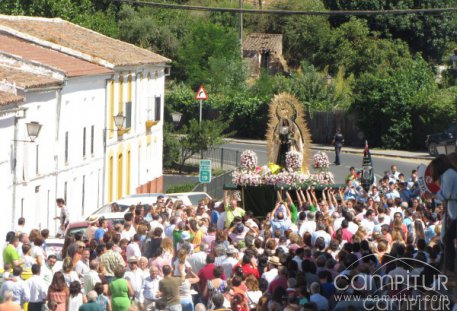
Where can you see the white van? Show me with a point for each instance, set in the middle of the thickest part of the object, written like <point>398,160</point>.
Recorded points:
<point>124,203</point>
<point>190,198</point>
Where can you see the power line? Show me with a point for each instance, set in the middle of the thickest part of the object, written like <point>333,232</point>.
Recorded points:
<point>429,11</point>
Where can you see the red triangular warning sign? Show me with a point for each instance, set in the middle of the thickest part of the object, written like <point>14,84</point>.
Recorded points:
<point>201,94</point>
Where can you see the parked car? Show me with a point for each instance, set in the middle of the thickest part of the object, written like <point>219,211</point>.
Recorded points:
<point>190,198</point>
<point>54,247</point>
<point>124,204</point>
<point>81,226</point>
<point>447,137</point>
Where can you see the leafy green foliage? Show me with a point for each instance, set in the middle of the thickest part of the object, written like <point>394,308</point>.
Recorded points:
<point>155,29</point>
<point>303,36</point>
<point>185,187</point>
<point>386,111</point>
<point>200,137</point>
<point>434,114</point>
<point>426,34</point>
<point>203,42</point>
<point>171,147</point>
<point>355,48</point>
<point>96,15</point>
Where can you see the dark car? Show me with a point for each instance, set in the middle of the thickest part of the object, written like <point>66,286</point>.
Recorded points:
<point>447,136</point>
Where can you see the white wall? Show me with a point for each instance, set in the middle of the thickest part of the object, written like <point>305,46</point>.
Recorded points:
<point>6,172</point>
<point>80,104</point>
<point>82,107</point>
<point>35,186</point>
<point>145,146</point>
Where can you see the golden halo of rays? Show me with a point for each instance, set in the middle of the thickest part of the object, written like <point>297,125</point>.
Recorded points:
<point>287,105</point>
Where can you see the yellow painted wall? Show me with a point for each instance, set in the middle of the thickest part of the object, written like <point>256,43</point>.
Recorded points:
<point>121,95</point>
<point>110,178</point>
<point>120,159</point>
<point>128,171</point>
<point>111,107</point>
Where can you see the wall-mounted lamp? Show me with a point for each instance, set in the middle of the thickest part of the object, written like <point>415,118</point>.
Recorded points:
<point>33,130</point>
<point>119,120</point>
<point>176,117</point>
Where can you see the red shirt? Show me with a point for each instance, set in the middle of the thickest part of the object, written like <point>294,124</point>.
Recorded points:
<point>207,273</point>
<point>280,281</point>
<point>248,269</point>
<point>346,235</point>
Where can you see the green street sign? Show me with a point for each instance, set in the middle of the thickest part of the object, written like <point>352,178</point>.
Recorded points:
<point>205,171</point>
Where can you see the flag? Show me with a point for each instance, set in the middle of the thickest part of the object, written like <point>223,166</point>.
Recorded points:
<point>367,169</point>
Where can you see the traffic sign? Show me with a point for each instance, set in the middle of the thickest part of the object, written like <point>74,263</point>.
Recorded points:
<point>205,171</point>
<point>425,180</point>
<point>201,94</point>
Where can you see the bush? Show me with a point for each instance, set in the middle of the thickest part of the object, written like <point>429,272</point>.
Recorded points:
<point>171,147</point>
<point>186,187</point>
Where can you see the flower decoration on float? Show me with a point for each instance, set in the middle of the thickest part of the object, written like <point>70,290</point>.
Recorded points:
<point>248,160</point>
<point>294,160</point>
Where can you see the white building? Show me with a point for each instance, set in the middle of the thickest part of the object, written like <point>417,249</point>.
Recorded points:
<point>80,154</point>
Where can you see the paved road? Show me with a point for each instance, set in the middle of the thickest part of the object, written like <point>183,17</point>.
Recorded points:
<point>347,160</point>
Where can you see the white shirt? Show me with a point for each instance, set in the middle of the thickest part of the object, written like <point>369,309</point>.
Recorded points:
<point>36,288</point>
<point>318,234</point>
<point>197,261</point>
<point>37,251</point>
<point>394,194</point>
<point>70,277</point>
<point>82,268</point>
<point>17,288</point>
<point>368,225</point>
<point>270,275</point>
<point>90,279</point>
<point>150,288</point>
<point>133,250</point>
<point>352,227</point>
<point>307,226</point>
<point>228,265</point>
<point>298,260</point>
<point>221,221</point>
<point>128,234</point>
<point>47,274</point>
<point>337,223</point>
<point>136,279</point>
<point>155,224</point>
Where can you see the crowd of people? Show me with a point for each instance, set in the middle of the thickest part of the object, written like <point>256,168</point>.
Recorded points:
<point>218,256</point>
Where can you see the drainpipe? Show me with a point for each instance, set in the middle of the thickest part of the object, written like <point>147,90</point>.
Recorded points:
<point>56,138</point>
<point>16,118</point>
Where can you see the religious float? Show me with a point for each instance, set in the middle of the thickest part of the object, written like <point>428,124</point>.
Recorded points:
<point>288,147</point>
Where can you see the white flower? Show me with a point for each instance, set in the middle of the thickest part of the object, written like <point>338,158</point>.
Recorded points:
<point>294,160</point>
<point>321,160</point>
<point>248,159</point>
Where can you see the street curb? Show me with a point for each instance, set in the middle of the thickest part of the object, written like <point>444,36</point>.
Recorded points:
<point>343,150</point>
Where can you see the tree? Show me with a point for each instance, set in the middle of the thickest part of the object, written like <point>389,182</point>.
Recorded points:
<point>171,146</point>
<point>387,100</point>
<point>159,30</point>
<point>198,138</point>
<point>353,46</point>
<point>204,41</point>
<point>426,34</point>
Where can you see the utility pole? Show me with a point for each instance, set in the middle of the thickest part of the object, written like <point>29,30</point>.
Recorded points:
<point>241,27</point>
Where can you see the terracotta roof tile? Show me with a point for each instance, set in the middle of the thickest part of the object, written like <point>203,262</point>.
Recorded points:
<point>24,79</point>
<point>83,40</point>
<point>9,98</point>
<point>69,65</point>
<point>263,42</point>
